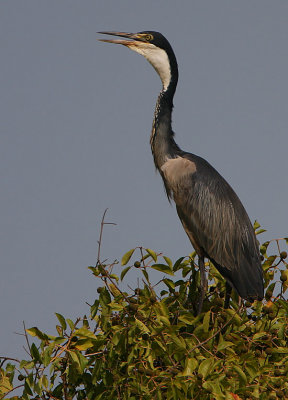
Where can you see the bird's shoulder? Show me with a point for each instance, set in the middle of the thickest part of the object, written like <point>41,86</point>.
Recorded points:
<point>202,166</point>
<point>187,170</point>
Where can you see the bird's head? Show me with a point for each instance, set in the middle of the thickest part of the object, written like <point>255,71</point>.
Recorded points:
<point>155,48</point>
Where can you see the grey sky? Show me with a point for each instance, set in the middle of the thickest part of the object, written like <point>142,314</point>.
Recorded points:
<point>75,122</point>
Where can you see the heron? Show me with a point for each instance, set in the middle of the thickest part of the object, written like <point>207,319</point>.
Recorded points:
<point>210,211</point>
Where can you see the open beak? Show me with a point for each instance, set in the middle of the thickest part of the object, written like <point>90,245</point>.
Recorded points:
<point>133,37</point>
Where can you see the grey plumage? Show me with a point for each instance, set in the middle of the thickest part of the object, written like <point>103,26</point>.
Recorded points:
<point>209,209</point>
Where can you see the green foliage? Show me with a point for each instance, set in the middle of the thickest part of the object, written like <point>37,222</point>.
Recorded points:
<point>149,344</point>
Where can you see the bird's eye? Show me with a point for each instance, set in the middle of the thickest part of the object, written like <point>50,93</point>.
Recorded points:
<point>148,37</point>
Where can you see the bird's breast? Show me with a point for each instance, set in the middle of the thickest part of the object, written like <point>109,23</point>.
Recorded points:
<point>175,170</point>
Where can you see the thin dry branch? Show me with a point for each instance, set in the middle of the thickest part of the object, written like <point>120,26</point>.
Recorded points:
<point>99,241</point>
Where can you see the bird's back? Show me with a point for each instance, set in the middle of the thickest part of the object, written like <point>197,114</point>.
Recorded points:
<point>215,221</point>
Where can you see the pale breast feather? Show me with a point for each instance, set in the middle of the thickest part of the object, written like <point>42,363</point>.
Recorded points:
<point>175,169</point>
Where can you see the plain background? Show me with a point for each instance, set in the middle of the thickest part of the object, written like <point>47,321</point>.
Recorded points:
<point>75,123</point>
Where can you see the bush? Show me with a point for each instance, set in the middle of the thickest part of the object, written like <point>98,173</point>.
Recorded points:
<point>148,343</point>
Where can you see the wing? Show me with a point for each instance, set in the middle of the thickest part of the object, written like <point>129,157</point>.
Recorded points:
<point>216,222</point>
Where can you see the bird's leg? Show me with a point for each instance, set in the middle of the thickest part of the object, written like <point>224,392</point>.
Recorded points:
<point>203,284</point>
<point>227,295</point>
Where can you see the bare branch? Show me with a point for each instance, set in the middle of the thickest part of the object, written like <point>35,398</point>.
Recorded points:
<point>99,241</point>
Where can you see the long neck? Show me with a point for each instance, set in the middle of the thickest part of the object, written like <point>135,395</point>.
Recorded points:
<point>162,142</point>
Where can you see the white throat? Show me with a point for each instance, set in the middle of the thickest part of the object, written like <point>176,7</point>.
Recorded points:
<point>157,58</point>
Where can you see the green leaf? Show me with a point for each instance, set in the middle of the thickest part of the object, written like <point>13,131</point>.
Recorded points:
<point>27,388</point>
<point>187,318</point>
<point>162,309</point>
<point>281,333</point>
<point>59,329</point>
<point>206,321</point>
<point>124,272</point>
<point>236,318</point>
<point>62,321</point>
<point>163,268</point>
<point>256,225</point>
<point>284,275</point>
<point>285,286</point>
<point>36,332</point>
<point>186,271</point>
<point>270,288</point>
<point>280,350</point>
<point>177,264</point>
<point>35,353</point>
<point>27,364</point>
<point>5,385</point>
<point>127,256</point>
<point>43,382</point>
<point>263,248</point>
<point>205,367</point>
<point>114,290</point>
<point>71,324</point>
<point>59,340</point>
<point>114,276</point>
<point>116,338</point>
<point>260,231</point>
<point>253,370</point>
<point>224,344</point>
<point>46,357</point>
<point>84,333</point>
<point>83,344</point>
<point>190,366</point>
<point>169,283</point>
<point>141,326</point>
<point>241,374</point>
<point>145,273</point>
<point>259,335</point>
<point>179,341</point>
<point>214,387</point>
<point>152,254</point>
<point>79,360</point>
<point>94,308</point>
<point>169,262</point>
<point>116,306</point>
<point>164,320</point>
<point>104,297</point>
<point>144,257</point>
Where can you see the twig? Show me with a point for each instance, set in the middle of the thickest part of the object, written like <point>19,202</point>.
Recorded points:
<point>66,347</point>
<point>93,354</point>
<point>8,359</point>
<point>11,390</point>
<point>27,340</point>
<point>101,234</point>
